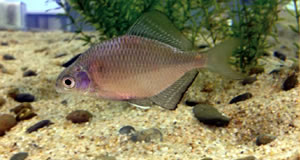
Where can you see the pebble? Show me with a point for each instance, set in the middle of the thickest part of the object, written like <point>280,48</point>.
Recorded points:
<point>279,55</point>
<point>264,139</point>
<point>8,57</point>
<point>19,156</point>
<point>256,70</point>
<point>248,158</point>
<point>79,116</point>
<point>127,130</point>
<point>7,121</point>
<point>105,157</point>
<point>3,69</point>
<point>39,125</point>
<point>147,135</point>
<point>60,55</point>
<point>248,80</point>
<point>23,111</point>
<point>29,73</point>
<point>24,97</point>
<point>191,103</point>
<point>72,60</point>
<point>13,93</point>
<point>290,82</point>
<point>2,101</point>
<point>202,46</point>
<point>210,115</point>
<point>207,158</point>
<point>241,97</point>
<point>4,44</point>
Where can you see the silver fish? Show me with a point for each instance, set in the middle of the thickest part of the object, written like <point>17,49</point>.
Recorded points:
<point>152,64</point>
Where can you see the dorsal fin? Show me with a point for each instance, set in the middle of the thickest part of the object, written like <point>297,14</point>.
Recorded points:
<point>155,25</point>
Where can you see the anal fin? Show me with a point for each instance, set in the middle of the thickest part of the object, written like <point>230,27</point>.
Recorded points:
<point>170,97</point>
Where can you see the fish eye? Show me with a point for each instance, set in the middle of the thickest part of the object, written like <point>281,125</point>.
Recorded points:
<point>68,82</point>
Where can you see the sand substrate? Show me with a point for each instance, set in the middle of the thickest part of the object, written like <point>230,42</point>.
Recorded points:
<point>270,111</point>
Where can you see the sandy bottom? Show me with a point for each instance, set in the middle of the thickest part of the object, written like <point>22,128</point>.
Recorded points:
<point>270,111</point>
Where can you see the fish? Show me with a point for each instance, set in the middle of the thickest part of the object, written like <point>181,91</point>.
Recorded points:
<point>152,64</point>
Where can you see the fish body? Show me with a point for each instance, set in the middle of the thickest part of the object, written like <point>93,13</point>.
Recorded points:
<point>139,67</point>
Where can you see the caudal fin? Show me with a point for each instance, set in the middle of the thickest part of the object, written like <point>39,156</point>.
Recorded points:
<point>218,59</point>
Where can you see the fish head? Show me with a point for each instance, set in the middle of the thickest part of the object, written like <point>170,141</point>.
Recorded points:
<point>74,79</point>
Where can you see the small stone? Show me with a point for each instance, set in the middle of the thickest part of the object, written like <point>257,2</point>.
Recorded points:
<point>147,135</point>
<point>256,70</point>
<point>20,107</point>
<point>72,60</point>
<point>2,101</point>
<point>279,55</point>
<point>207,158</point>
<point>104,157</point>
<point>290,82</point>
<point>39,125</point>
<point>191,103</point>
<point>127,130</point>
<point>24,97</point>
<point>202,46</point>
<point>13,93</point>
<point>19,156</point>
<point>247,158</point>
<point>64,102</point>
<point>210,115</point>
<point>264,139</point>
<point>8,57</point>
<point>248,80</point>
<point>7,121</point>
<point>29,73</point>
<point>241,97</point>
<point>275,71</point>
<point>23,111</point>
<point>41,50</point>
<point>4,44</point>
<point>79,116</point>
<point>60,55</point>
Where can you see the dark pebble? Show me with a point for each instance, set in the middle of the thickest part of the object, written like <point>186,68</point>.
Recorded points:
<point>147,135</point>
<point>29,73</point>
<point>24,97</point>
<point>72,60</point>
<point>207,158</point>
<point>60,55</point>
<point>20,107</point>
<point>8,57</point>
<point>256,70</point>
<point>290,82</point>
<point>39,125</point>
<point>7,121</point>
<point>264,139</point>
<point>191,103</point>
<point>247,158</point>
<point>279,55</point>
<point>248,80</point>
<point>4,44</point>
<point>241,97</point>
<point>19,156</point>
<point>275,71</point>
<point>23,111</point>
<point>202,46</point>
<point>127,130</point>
<point>13,93</point>
<point>2,101</point>
<point>210,115</point>
<point>79,116</point>
<point>64,102</point>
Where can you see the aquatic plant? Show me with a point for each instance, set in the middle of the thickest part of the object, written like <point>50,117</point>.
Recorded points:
<point>251,21</point>
<point>296,14</point>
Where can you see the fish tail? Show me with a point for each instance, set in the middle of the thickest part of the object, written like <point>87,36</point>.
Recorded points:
<point>218,59</point>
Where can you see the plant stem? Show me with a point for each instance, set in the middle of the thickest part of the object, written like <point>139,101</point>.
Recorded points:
<point>297,15</point>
